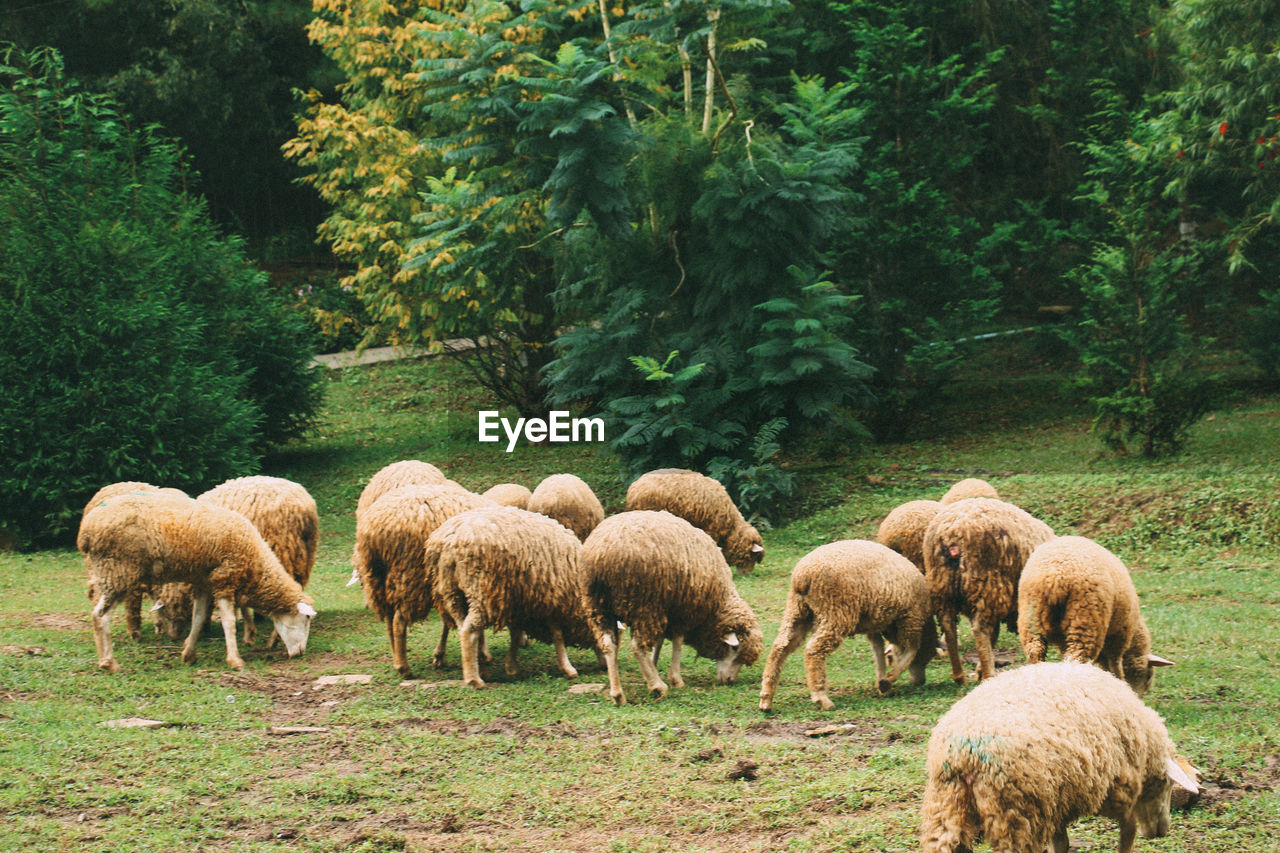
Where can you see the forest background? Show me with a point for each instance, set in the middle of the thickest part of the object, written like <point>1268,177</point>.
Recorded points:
<point>740,230</point>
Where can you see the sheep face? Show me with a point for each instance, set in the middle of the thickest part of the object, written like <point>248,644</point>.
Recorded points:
<point>1152,809</point>
<point>744,548</point>
<point>293,626</point>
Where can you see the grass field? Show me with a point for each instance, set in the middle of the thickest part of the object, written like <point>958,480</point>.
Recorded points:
<point>526,765</point>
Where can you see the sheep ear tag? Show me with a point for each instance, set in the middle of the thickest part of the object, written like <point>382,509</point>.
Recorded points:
<point>306,609</point>
<point>731,639</point>
<point>1156,660</point>
<point>1180,776</point>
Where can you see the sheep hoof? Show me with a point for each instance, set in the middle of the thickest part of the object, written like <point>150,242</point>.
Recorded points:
<point>824,703</point>
<point>570,672</point>
<point>512,670</point>
<point>884,686</point>
<point>404,672</point>
<point>766,704</point>
<point>619,699</point>
<point>235,663</point>
<point>135,634</point>
<point>477,683</point>
<point>188,656</point>
<point>109,666</point>
<point>659,691</point>
<point>677,682</point>
<point>959,679</point>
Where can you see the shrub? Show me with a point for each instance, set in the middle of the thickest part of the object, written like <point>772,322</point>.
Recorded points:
<point>136,342</point>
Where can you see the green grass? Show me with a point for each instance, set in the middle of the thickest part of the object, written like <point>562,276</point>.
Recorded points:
<point>525,765</point>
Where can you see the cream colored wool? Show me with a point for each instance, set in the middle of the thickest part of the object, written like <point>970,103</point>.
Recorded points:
<point>846,588</point>
<point>974,551</point>
<point>704,503</point>
<point>970,488</point>
<point>409,472</point>
<point>1077,596</point>
<point>390,559</point>
<point>507,567</point>
<point>1025,754</point>
<point>164,595</point>
<point>284,513</point>
<point>137,539</point>
<point>570,501</point>
<point>665,578</point>
<point>509,494</point>
<point>903,529</point>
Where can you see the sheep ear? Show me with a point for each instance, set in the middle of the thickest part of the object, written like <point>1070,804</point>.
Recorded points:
<point>306,609</point>
<point>731,639</point>
<point>1180,775</point>
<point>622,627</point>
<point>355,578</point>
<point>757,549</point>
<point>1156,660</point>
<point>157,606</point>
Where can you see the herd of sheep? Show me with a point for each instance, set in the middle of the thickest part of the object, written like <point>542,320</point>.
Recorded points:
<point>1016,760</point>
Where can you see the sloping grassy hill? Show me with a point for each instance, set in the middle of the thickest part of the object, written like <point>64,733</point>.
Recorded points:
<point>527,765</point>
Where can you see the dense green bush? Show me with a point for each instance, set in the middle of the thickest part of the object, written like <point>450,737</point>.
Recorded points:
<point>135,340</point>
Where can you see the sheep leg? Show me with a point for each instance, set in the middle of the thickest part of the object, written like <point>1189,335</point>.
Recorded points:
<point>673,672</point>
<point>397,633</point>
<point>790,636</point>
<point>1060,842</point>
<point>607,641</point>
<point>133,613</point>
<point>562,657</point>
<point>250,630</point>
<point>947,621</point>
<point>484,649</point>
<point>517,640</point>
<point>1128,830</point>
<point>823,642</point>
<point>984,639</point>
<point>227,612</point>
<point>470,635</point>
<point>657,651</point>
<point>102,634</point>
<point>437,660</point>
<point>200,603</point>
<point>644,657</point>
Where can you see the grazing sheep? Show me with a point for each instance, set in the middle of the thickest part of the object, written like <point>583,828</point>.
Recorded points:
<point>1076,595</point>
<point>509,494</point>
<point>390,559</point>
<point>1030,751</point>
<point>568,500</point>
<point>853,587</point>
<point>152,538</point>
<point>969,488</point>
<point>974,551</point>
<point>665,578</point>
<point>409,472</point>
<point>504,566</point>
<point>903,529</point>
<point>284,513</point>
<point>166,595</point>
<point>705,503</point>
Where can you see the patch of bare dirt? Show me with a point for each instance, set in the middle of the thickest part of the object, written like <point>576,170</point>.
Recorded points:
<point>791,731</point>
<point>501,727</point>
<point>50,621</point>
<point>293,702</point>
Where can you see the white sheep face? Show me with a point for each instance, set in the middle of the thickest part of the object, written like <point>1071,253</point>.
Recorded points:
<point>727,666</point>
<point>293,626</point>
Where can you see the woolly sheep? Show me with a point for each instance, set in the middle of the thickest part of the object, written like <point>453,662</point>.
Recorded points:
<point>509,494</point>
<point>664,577</point>
<point>284,513</point>
<point>505,566</point>
<point>568,500</point>
<point>974,551</point>
<point>1076,595</point>
<point>903,529</point>
<point>409,472</point>
<point>150,538</point>
<point>852,587</point>
<point>1025,754</point>
<point>704,503</point>
<point>969,488</point>
<point>166,595</point>
<point>390,558</point>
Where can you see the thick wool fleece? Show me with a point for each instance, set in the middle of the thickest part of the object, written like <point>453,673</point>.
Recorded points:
<point>846,588</point>
<point>703,502</point>
<point>1077,596</point>
<point>663,577</point>
<point>903,529</point>
<point>409,472</point>
<point>166,593</point>
<point>153,539</point>
<point>503,566</point>
<point>284,513</point>
<point>974,551</point>
<point>568,500</point>
<point>509,494</point>
<point>969,488</point>
<point>1028,752</point>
